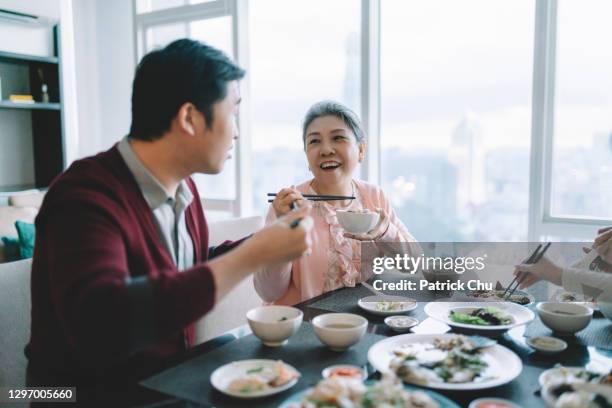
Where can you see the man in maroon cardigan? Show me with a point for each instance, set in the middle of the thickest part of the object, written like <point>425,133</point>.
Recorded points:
<point>122,268</point>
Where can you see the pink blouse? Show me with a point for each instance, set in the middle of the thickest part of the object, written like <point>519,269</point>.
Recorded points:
<point>335,261</point>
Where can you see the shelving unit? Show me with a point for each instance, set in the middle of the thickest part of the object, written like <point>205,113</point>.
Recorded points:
<point>25,74</point>
<point>35,105</point>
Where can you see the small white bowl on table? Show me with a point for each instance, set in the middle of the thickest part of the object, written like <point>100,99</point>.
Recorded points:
<point>564,318</point>
<point>339,331</point>
<point>495,402</point>
<point>273,325</point>
<point>546,344</point>
<point>401,324</point>
<point>357,221</point>
<point>330,371</point>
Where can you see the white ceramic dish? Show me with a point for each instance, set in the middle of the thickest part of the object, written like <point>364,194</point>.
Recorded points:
<point>273,325</point>
<point>504,364</point>
<point>584,392</point>
<point>568,297</point>
<point>339,331</point>
<point>442,401</point>
<point>376,305</point>
<point>564,318</point>
<point>357,222</point>
<point>559,374</point>
<point>224,375</point>
<point>441,311</point>
<point>547,344</point>
<point>327,371</point>
<point>401,324</point>
<point>500,403</point>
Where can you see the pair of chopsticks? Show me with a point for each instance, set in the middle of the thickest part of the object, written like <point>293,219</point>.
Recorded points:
<point>316,197</point>
<point>518,279</point>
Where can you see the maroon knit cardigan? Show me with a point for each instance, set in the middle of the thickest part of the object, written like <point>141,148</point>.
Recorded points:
<point>95,239</point>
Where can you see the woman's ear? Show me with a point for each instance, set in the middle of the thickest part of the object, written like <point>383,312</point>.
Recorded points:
<point>186,118</point>
<point>362,150</point>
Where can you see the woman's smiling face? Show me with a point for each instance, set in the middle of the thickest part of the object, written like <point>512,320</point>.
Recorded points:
<point>332,150</point>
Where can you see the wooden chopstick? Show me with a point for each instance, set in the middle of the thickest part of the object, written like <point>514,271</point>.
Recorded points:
<point>324,199</point>
<point>321,197</point>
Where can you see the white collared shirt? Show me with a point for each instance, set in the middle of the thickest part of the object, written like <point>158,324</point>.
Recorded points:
<point>168,211</point>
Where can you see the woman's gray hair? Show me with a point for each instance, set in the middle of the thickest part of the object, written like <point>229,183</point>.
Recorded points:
<point>332,108</point>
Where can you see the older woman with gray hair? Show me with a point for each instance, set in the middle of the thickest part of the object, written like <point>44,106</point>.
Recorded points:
<point>334,143</point>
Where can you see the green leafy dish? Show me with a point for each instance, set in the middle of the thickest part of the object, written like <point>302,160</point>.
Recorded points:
<point>483,316</point>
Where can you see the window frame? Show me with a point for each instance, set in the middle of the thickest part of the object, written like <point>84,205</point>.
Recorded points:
<point>238,11</point>
<point>541,221</point>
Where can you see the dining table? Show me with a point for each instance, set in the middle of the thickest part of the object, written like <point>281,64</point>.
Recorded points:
<point>187,383</point>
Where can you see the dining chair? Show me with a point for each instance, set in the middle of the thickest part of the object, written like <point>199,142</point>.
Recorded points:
<point>230,312</point>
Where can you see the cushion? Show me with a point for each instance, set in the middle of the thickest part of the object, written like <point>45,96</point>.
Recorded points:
<point>8,216</point>
<point>27,236</point>
<point>10,251</point>
<point>27,199</point>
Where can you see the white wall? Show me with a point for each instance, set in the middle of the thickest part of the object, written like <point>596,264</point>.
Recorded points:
<point>24,38</point>
<point>105,63</point>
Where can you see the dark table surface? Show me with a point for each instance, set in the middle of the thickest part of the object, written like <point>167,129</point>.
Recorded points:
<point>524,390</point>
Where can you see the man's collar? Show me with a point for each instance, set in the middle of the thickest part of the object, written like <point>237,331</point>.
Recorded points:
<point>153,191</point>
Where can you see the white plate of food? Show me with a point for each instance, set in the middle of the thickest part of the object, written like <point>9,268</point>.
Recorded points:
<point>489,317</point>
<point>422,359</point>
<point>576,387</point>
<point>569,297</point>
<point>519,297</point>
<point>342,392</point>
<point>254,378</point>
<point>387,305</point>
<point>562,374</point>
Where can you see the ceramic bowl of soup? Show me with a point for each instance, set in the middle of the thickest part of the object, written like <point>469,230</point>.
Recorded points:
<point>273,325</point>
<point>564,318</point>
<point>357,221</point>
<point>339,331</point>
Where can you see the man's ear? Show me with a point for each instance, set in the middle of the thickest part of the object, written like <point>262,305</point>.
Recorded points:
<point>186,118</point>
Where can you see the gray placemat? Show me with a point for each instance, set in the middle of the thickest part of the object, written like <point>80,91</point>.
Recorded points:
<point>597,334</point>
<point>191,380</point>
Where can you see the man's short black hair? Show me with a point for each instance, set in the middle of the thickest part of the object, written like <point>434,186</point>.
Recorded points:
<point>184,71</point>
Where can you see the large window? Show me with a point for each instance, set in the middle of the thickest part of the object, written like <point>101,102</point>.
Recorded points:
<point>456,116</point>
<point>488,119</point>
<point>582,158</point>
<point>300,52</point>
<point>216,31</point>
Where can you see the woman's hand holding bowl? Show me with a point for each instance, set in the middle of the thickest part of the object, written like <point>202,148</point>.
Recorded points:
<point>375,233</point>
